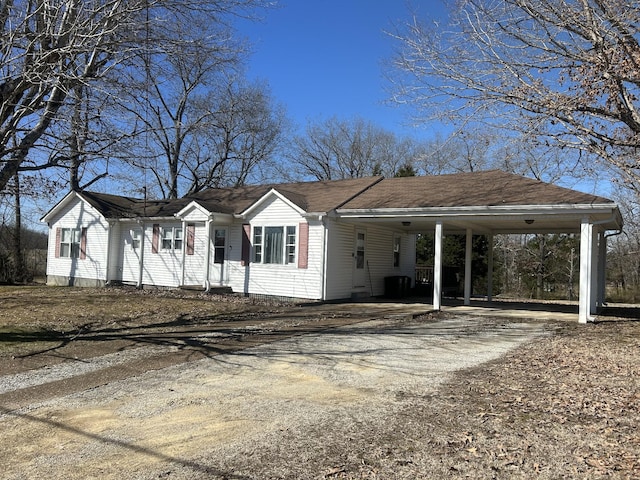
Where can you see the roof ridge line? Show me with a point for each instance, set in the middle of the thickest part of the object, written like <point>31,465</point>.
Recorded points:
<point>377,180</point>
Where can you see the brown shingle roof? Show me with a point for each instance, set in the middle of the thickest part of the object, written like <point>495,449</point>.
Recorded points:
<point>488,188</point>
<point>115,206</point>
<point>309,196</point>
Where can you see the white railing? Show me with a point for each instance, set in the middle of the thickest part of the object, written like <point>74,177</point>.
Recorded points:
<point>424,274</point>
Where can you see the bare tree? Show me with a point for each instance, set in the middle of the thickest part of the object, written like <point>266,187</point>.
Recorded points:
<point>50,47</point>
<point>197,127</point>
<point>565,72</point>
<point>337,149</point>
<point>240,140</point>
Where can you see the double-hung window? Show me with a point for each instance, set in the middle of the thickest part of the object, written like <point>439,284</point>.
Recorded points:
<point>172,238</point>
<point>274,245</point>
<point>136,234</point>
<point>70,242</point>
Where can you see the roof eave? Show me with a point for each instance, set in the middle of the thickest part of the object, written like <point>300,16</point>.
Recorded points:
<point>477,210</point>
<point>66,199</point>
<point>273,192</point>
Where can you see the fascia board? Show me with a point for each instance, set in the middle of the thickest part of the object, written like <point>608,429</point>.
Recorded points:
<point>62,203</point>
<point>264,198</point>
<point>191,206</point>
<point>501,210</point>
<point>169,218</point>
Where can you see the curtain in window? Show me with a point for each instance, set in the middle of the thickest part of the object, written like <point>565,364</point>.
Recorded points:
<point>273,245</point>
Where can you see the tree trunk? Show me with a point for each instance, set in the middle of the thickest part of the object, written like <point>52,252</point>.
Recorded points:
<point>540,268</point>
<point>19,273</point>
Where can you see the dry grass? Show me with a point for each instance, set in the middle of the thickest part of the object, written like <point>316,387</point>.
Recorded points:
<point>567,406</point>
<point>35,318</point>
<point>564,406</point>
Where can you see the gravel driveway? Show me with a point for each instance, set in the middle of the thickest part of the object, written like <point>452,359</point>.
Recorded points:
<point>295,408</point>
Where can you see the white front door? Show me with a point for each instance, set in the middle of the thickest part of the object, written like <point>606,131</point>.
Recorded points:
<point>359,261</point>
<point>217,273</point>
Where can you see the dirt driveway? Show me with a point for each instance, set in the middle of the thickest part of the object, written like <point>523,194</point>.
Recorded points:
<point>298,407</point>
<point>122,383</point>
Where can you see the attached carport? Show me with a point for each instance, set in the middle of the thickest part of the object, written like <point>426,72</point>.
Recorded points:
<point>491,203</point>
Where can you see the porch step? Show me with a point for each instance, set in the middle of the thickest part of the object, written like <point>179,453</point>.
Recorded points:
<point>360,295</point>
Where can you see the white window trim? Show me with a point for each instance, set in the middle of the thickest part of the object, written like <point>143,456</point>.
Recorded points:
<point>258,249</point>
<point>75,234</point>
<point>176,236</point>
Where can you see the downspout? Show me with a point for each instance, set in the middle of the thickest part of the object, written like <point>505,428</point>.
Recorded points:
<point>183,225</point>
<point>143,234</point>
<point>325,256</point>
<point>108,254</point>
<point>207,283</point>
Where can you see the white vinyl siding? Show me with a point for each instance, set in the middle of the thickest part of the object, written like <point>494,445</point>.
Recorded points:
<point>378,261</point>
<point>130,263</point>
<point>77,215</point>
<point>340,260</point>
<point>194,266</point>
<point>278,279</point>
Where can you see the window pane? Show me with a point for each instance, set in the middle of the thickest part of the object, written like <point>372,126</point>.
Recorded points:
<point>177,239</point>
<point>257,244</point>
<point>291,244</point>
<point>66,235</point>
<point>219,238</point>
<point>273,244</point>
<point>135,238</point>
<point>360,251</point>
<point>167,238</point>
<point>65,250</point>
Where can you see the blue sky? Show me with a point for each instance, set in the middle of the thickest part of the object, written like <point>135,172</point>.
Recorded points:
<point>325,58</point>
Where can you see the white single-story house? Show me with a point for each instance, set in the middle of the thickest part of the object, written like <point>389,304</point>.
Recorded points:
<point>315,240</point>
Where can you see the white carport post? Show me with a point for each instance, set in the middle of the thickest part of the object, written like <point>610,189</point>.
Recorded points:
<point>586,258</point>
<point>467,267</point>
<point>595,274</point>
<point>437,268</point>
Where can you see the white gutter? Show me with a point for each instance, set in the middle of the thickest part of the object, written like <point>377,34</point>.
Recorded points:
<point>207,282</point>
<point>325,257</point>
<point>183,226</point>
<point>108,252</point>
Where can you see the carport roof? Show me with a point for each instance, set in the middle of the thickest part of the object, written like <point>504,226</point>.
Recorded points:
<point>488,188</point>
<point>487,202</point>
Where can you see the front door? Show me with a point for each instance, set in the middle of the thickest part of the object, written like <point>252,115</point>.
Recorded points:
<point>359,261</point>
<point>217,272</point>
